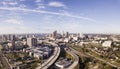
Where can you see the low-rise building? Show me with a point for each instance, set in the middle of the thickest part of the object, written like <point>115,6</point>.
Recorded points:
<point>107,44</point>
<point>64,63</point>
<point>39,52</point>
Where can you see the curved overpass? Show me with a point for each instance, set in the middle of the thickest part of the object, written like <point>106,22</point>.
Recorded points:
<point>74,65</point>
<point>52,59</point>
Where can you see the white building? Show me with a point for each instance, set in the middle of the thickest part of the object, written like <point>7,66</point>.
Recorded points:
<point>63,63</point>
<point>83,43</point>
<point>39,52</point>
<point>107,44</point>
<point>66,40</point>
<point>75,38</point>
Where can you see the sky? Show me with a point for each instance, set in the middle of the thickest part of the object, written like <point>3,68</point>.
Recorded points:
<point>45,16</point>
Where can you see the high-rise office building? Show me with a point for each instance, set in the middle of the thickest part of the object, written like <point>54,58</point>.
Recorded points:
<point>4,38</point>
<point>54,34</point>
<point>13,37</point>
<point>31,42</point>
<point>8,37</point>
<point>67,34</point>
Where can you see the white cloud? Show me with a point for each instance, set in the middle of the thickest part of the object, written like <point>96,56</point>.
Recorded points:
<point>57,4</point>
<point>37,1</point>
<point>22,0</point>
<point>40,4</point>
<point>5,3</point>
<point>14,29</point>
<point>45,12</point>
<point>13,21</point>
<point>22,6</point>
<point>13,3</point>
<point>40,7</point>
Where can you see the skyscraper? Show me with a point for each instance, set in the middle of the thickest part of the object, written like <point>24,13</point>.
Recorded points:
<point>67,34</point>
<point>54,34</point>
<point>4,38</point>
<point>31,42</point>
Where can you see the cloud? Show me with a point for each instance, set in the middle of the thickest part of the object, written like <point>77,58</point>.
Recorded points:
<point>45,12</point>
<point>37,1</point>
<point>14,29</point>
<point>22,0</point>
<point>6,3</point>
<point>13,21</point>
<point>57,4</point>
<point>22,6</point>
<point>41,7</point>
<point>40,4</point>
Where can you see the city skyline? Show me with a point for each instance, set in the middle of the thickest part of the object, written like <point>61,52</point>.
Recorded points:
<point>39,16</point>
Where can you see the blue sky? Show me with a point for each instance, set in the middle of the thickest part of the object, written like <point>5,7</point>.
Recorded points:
<point>45,16</point>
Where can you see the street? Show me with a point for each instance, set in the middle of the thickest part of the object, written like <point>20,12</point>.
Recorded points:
<point>4,62</point>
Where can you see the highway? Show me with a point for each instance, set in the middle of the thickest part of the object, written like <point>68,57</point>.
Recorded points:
<point>78,53</point>
<point>4,61</point>
<point>76,60</point>
<point>52,59</point>
<point>101,59</point>
<point>90,55</point>
<point>104,61</point>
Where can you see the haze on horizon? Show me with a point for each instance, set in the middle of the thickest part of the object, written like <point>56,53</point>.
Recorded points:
<point>39,16</point>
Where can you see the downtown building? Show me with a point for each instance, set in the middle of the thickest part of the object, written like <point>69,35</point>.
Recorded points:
<point>31,42</point>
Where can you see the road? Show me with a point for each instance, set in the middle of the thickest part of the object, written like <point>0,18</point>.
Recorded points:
<point>4,61</point>
<point>102,59</point>
<point>90,55</point>
<point>52,59</point>
<point>78,53</point>
<point>76,60</point>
